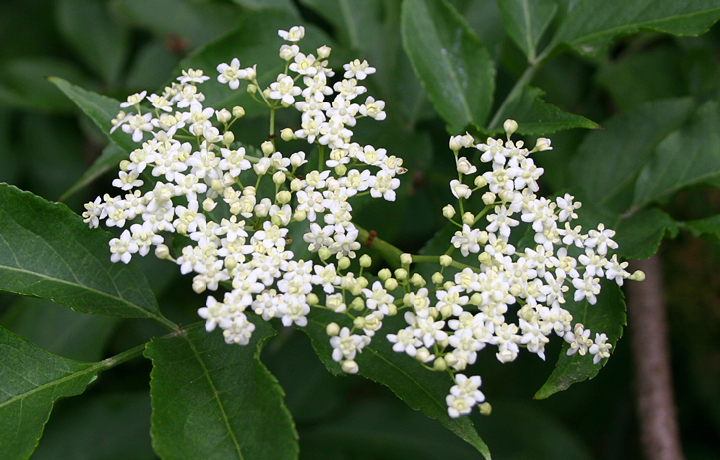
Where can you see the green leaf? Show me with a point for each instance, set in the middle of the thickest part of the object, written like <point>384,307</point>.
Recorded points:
<point>47,251</point>
<point>639,235</point>
<point>260,4</point>
<point>251,43</point>
<point>451,62</point>
<point>591,25</point>
<point>79,337</point>
<point>110,158</point>
<point>100,109</point>
<point>689,156</point>
<point>187,24</point>
<point>212,400</point>
<point>23,84</point>
<point>421,389</point>
<point>607,316</point>
<point>31,381</point>
<point>700,227</point>
<point>534,116</point>
<point>98,38</point>
<point>355,21</point>
<point>607,162</point>
<point>526,20</point>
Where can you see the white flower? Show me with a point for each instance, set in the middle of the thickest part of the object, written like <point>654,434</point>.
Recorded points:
<point>383,185</point>
<point>122,249</point>
<point>460,190</point>
<point>137,125</point>
<point>295,34</point>
<point>357,69</point>
<point>134,99</point>
<point>373,109</point>
<point>231,74</point>
<point>600,349</point>
<point>345,345</point>
<point>192,76</point>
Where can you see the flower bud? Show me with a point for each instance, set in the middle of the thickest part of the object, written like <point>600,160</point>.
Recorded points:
<point>266,93</point>
<point>542,144</point>
<point>506,195</point>
<point>451,359</point>
<point>445,260</point>
<point>392,309</point>
<point>465,167</point>
<point>162,251</point>
<point>344,263</point>
<point>449,211</point>
<point>638,275</point>
<point>252,89</point>
<point>279,177</point>
<point>209,204</point>
<point>287,134</point>
<point>437,278</point>
<point>223,115</point>
<point>417,280</point>
<point>262,209</point>
<point>332,329</point>
<point>312,299</point>
<point>359,322</point>
<point>401,274</point>
<point>446,311</point>
<point>238,112</point>
<point>485,408</point>
<point>362,282</point>
<point>357,304</point>
<point>228,138</point>
<point>249,190</point>
<point>365,261</point>
<point>300,215</point>
<point>391,284</point>
<point>448,285</point>
<point>484,258</point>
<point>277,220</point>
<point>124,165</point>
<point>468,218</point>
<point>476,299</point>
<point>510,126</point>
<point>350,367</point>
<point>480,181</point>
<point>283,197</point>
<point>230,263</point>
<point>267,148</point>
<point>251,73</point>
<point>406,259</point>
<point>324,253</point>
<point>515,290</point>
<point>488,198</point>
<point>199,286</point>
<point>440,364</point>
<point>423,355</point>
<point>323,52</point>
<point>340,170</point>
<point>296,185</point>
<point>356,290</point>
<point>384,274</point>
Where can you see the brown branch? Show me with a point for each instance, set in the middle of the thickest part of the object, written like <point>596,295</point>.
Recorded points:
<point>657,416</point>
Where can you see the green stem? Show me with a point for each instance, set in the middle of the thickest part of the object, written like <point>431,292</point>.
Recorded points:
<point>390,253</point>
<point>122,357</point>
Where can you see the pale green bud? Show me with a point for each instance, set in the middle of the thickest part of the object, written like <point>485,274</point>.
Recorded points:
<point>283,197</point>
<point>417,280</point>
<point>391,284</point>
<point>350,367</point>
<point>300,215</point>
<point>323,52</point>
<point>287,134</point>
<point>468,218</point>
<point>279,177</point>
<point>332,329</point>
<point>476,299</point>
<point>324,253</point>
<point>276,220</point>
<point>485,408</point>
<point>484,258</point>
<point>488,198</point>
<point>445,260</point>
<point>406,259</point>
<point>423,355</point>
<point>362,282</point>
<point>343,263</point>
<point>359,322</point>
<point>238,112</point>
<point>124,165</point>
<point>440,364</point>
<point>480,181</point>
<point>209,204</point>
<point>340,170</point>
<point>437,278</point>
<point>252,89</point>
<point>312,299</point>
<point>230,263</point>
<point>510,126</point>
<point>357,304</point>
<point>448,211</point>
<point>401,274</point>
<point>162,251</point>
<point>266,93</point>
<point>638,275</point>
<point>267,148</point>
<point>365,261</point>
<point>445,311</point>
<point>384,274</point>
<point>228,138</point>
<point>223,115</point>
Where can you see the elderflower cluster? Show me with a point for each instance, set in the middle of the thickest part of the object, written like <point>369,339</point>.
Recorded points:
<point>233,207</point>
<point>232,210</point>
<point>472,309</point>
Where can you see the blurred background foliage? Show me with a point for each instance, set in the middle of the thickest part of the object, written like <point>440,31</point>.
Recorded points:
<point>118,47</point>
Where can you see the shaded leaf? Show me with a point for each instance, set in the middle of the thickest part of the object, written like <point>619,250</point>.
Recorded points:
<point>110,158</point>
<point>689,156</point>
<point>100,109</point>
<point>98,38</point>
<point>212,400</point>
<point>455,68</point>
<point>47,251</point>
<point>356,22</point>
<point>421,389</point>
<point>526,20</point>
<point>23,84</point>
<point>591,25</point>
<point>709,226</point>
<point>607,162</point>
<point>534,116</point>
<point>639,235</point>
<point>31,381</point>
<point>259,4</point>
<point>608,317</point>
<point>76,336</point>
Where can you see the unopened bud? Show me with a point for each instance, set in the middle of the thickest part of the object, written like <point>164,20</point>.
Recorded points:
<point>324,253</point>
<point>300,215</point>
<point>448,211</point>
<point>267,148</point>
<point>480,181</point>
<point>468,218</point>
<point>392,309</point>
<point>209,204</point>
<point>332,329</point>
<point>391,284</point>
<point>488,198</point>
<point>445,311</point>
<point>406,259</point>
<point>437,278</point>
<point>440,364</point>
<point>223,115</point>
<point>510,126</point>
<point>230,263</point>
<point>417,280</point>
<point>340,170</point>
<point>287,134</point>
<point>484,258</point>
<point>401,274</point>
<point>296,185</point>
<point>228,138</point>
<point>283,197</point>
<point>359,322</point>
<point>542,144</point>
<point>238,112</point>
<point>485,408</point>
<point>124,165</point>
<point>365,261</point>
<point>323,52</point>
<point>199,286</point>
<point>252,89</point>
<point>162,251</point>
<point>312,299</point>
<point>384,274</point>
<point>445,260</point>
<point>279,177</point>
<point>423,355</point>
<point>357,304</point>
<point>638,275</point>
<point>349,366</point>
<point>276,220</point>
<point>344,263</point>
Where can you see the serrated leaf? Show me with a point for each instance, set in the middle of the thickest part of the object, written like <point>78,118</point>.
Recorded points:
<point>689,156</point>
<point>212,400</point>
<point>639,235</point>
<point>709,226</point>
<point>100,109</point>
<point>421,389</point>
<point>110,158</point>
<point>251,43</point>
<point>608,317</point>
<point>607,162</point>
<point>535,116</point>
<point>355,21</point>
<point>99,39</point>
<point>47,251</point>
<point>31,381</point>
<point>455,68</point>
<point>526,20</point>
<point>591,25</point>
